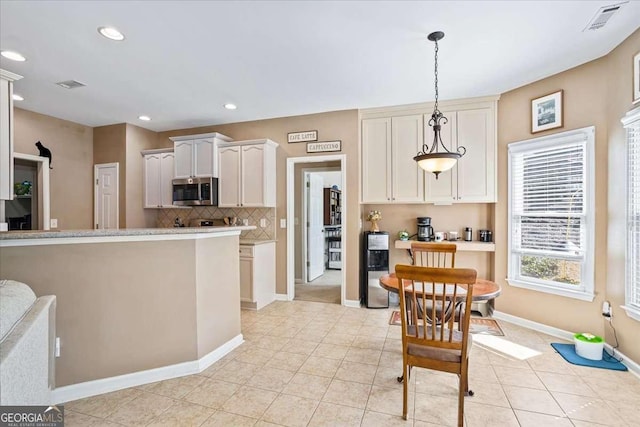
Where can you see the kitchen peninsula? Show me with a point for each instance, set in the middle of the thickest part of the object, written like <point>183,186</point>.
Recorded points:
<point>134,305</point>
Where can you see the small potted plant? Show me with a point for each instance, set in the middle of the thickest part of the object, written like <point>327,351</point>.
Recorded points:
<point>374,217</point>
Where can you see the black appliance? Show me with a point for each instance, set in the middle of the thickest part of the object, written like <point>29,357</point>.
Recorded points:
<point>375,263</point>
<point>195,191</point>
<point>425,230</point>
<point>485,235</point>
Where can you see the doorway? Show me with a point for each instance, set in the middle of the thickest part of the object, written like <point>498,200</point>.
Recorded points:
<point>319,257</point>
<point>297,248</point>
<point>106,211</point>
<point>22,212</point>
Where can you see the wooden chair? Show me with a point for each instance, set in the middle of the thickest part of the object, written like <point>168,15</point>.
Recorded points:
<point>427,254</point>
<point>436,345</point>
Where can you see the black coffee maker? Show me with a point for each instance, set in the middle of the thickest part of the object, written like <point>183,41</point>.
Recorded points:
<point>425,230</point>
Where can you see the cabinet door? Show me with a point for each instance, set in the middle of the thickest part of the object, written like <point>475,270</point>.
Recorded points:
<point>252,183</point>
<point>203,150</point>
<point>166,176</point>
<point>183,151</point>
<point>407,177</point>
<point>376,160</point>
<point>476,169</point>
<point>443,189</point>
<point>152,168</point>
<point>246,279</point>
<point>6,143</point>
<point>229,177</point>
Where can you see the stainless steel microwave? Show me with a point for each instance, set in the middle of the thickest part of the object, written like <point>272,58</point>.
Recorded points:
<point>195,192</point>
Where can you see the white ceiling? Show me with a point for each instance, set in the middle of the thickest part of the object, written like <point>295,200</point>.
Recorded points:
<point>181,61</point>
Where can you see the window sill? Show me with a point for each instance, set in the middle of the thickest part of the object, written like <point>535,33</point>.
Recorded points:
<point>631,312</point>
<point>581,295</point>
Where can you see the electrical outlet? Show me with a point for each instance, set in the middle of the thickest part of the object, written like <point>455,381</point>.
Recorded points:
<point>606,309</point>
<point>245,221</point>
<point>54,223</point>
<point>58,345</point>
<point>263,222</point>
<point>283,223</point>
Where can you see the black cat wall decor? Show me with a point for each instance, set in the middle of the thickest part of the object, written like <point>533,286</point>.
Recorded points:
<point>44,152</point>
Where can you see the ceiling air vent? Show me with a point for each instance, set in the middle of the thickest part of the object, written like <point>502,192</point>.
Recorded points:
<point>602,16</point>
<point>70,84</point>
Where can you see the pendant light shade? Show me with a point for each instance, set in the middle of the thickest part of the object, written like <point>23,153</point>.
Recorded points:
<point>432,159</point>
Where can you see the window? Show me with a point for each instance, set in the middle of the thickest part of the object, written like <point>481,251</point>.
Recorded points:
<point>632,293</point>
<point>551,214</point>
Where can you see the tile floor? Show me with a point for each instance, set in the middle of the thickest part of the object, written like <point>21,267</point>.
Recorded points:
<point>314,364</point>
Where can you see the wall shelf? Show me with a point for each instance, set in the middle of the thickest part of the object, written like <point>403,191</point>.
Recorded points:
<point>462,246</point>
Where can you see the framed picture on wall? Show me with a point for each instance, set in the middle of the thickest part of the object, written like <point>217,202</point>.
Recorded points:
<point>546,112</point>
<point>636,78</point>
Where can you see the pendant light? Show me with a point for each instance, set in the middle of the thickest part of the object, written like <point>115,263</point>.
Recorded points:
<point>432,159</point>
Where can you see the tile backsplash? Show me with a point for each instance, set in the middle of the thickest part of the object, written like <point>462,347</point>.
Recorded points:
<point>167,217</point>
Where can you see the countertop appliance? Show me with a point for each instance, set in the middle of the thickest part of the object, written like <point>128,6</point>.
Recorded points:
<point>375,263</point>
<point>425,230</point>
<point>195,192</point>
<point>200,222</point>
<point>485,235</point>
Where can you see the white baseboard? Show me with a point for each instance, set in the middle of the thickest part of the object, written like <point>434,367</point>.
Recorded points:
<point>282,297</point>
<point>106,385</point>
<point>633,367</point>
<point>351,303</point>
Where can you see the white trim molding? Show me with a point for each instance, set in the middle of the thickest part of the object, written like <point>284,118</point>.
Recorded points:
<point>353,303</point>
<point>633,366</point>
<point>107,385</point>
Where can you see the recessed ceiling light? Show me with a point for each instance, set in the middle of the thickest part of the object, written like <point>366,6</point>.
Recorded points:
<point>14,56</point>
<point>17,97</point>
<point>230,106</point>
<point>145,118</point>
<point>111,33</point>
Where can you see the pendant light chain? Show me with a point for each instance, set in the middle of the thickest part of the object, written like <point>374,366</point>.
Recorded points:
<point>436,74</point>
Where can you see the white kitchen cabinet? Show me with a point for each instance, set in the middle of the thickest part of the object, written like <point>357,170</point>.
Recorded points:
<point>389,173</point>
<point>6,134</point>
<point>158,166</point>
<point>196,155</point>
<point>247,173</point>
<point>473,179</point>
<point>257,275</point>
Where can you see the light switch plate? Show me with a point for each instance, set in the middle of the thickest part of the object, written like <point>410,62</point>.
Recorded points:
<point>283,223</point>
<point>54,223</point>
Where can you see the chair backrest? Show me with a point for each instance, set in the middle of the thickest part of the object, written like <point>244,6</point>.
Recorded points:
<point>450,288</point>
<point>426,254</point>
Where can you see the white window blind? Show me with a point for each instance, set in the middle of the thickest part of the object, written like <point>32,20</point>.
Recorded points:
<point>632,293</point>
<point>551,223</point>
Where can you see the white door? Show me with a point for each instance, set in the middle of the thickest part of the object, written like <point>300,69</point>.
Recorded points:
<point>315,227</point>
<point>166,178</point>
<point>152,180</point>
<point>229,177</point>
<point>376,160</point>
<point>183,151</point>
<point>203,158</point>
<point>106,196</point>
<point>252,190</point>
<point>407,177</point>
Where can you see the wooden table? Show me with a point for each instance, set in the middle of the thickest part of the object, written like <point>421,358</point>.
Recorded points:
<point>483,290</point>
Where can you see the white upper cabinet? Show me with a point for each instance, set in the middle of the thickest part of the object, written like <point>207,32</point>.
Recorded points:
<point>6,134</point>
<point>389,173</point>
<point>247,173</point>
<point>473,179</point>
<point>391,137</point>
<point>196,155</point>
<point>158,174</point>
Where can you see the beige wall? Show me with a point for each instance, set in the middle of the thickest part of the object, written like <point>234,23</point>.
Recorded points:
<point>137,139</point>
<point>71,178</point>
<point>397,218</point>
<point>109,146</point>
<point>338,125</point>
<point>595,94</point>
<point>618,103</point>
<point>132,306</point>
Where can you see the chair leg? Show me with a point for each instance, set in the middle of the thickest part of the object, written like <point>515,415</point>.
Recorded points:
<point>405,391</point>
<point>461,393</point>
<point>464,376</point>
